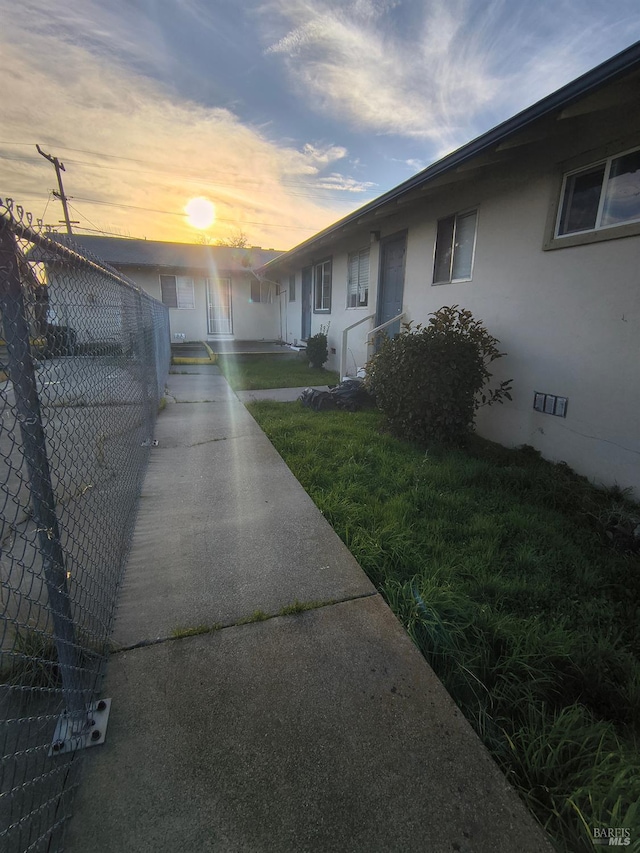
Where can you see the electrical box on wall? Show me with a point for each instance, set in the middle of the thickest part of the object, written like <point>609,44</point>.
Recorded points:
<point>550,404</point>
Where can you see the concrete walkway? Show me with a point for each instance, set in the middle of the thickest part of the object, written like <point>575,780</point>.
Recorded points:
<point>280,395</point>
<point>317,731</point>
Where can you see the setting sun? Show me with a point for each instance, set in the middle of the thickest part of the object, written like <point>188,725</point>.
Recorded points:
<point>201,212</point>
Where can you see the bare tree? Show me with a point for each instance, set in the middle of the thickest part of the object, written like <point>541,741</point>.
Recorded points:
<point>238,241</point>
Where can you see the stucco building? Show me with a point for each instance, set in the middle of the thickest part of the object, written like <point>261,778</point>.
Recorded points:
<point>535,228</point>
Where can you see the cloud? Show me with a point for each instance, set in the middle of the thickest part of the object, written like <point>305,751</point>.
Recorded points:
<point>323,155</point>
<point>156,151</point>
<point>347,60</point>
<point>111,77</point>
<point>439,71</point>
<point>336,181</point>
<point>416,165</point>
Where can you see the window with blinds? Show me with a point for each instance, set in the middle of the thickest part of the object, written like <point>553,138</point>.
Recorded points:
<point>358,284</point>
<point>177,291</point>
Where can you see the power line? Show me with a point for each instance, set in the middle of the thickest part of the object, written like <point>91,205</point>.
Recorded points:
<point>240,222</point>
<point>175,213</point>
<point>108,233</point>
<point>84,216</point>
<point>46,206</point>
<point>188,177</point>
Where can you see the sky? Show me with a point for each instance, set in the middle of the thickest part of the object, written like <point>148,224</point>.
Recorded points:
<point>285,114</point>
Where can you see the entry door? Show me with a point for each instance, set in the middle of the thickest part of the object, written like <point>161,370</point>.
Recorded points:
<point>391,287</point>
<point>307,276</point>
<point>219,321</point>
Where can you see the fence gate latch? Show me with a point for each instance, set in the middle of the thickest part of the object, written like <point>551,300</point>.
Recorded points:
<point>81,729</point>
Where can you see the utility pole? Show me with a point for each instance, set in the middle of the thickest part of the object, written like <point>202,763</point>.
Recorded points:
<point>59,167</point>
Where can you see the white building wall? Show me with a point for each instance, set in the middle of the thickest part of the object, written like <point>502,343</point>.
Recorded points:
<point>290,311</point>
<point>340,317</point>
<point>568,319</point>
<point>251,321</point>
<point>190,322</point>
<point>254,321</point>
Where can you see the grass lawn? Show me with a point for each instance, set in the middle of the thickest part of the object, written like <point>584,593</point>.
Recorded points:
<point>286,370</point>
<point>497,564</point>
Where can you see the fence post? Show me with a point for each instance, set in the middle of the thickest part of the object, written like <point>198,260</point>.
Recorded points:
<point>22,373</point>
<point>148,381</point>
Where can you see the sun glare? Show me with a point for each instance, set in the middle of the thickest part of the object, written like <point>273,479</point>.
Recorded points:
<point>201,212</point>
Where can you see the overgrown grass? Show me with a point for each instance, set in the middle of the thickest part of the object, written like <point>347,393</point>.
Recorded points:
<point>32,662</point>
<point>498,565</point>
<point>278,370</point>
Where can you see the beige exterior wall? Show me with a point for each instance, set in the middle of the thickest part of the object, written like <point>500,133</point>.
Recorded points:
<point>254,321</point>
<point>291,311</point>
<point>251,321</point>
<point>340,317</point>
<point>568,319</point>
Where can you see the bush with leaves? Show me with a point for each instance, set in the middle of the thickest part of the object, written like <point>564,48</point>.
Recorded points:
<point>317,349</point>
<point>430,380</point>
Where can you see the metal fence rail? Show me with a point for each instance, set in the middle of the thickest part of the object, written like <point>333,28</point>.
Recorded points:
<point>83,360</point>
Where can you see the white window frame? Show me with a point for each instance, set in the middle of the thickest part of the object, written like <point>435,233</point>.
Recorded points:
<point>322,291</point>
<point>262,289</point>
<point>356,287</point>
<point>455,216</point>
<point>598,226</point>
<point>185,292</point>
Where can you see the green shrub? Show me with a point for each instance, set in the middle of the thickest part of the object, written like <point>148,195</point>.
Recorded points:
<point>317,350</point>
<point>430,380</point>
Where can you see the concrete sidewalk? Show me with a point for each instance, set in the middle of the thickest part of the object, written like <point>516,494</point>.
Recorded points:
<point>280,395</point>
<point>320,731</point>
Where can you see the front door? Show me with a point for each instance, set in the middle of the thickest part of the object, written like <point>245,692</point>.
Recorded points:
<point>391,287</point>
<point>219,320</point>
<point>307,276</point>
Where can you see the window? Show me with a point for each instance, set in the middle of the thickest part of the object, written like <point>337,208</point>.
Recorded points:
<point>260,291</point>
<point>292,288</point>
<point>322,287</point>
<point>455,243</point>
<point>177,291</point>
<point>358,283</point>
<point>601,196</point>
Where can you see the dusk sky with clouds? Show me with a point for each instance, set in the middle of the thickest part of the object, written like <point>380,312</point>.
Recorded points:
<point>286,114</point>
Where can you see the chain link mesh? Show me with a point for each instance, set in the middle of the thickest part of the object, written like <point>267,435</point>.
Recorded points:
<point>83,361</point>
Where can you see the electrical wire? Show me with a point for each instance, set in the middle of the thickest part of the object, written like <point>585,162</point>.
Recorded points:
<point>84,216</point>
<point>46,206</point>
<point>185,177</point>
<point>240,222</point>
<point>109,233</point>
<point>175,213</point>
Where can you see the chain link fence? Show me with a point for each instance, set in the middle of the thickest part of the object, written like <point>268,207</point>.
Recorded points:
<point>83,360</point>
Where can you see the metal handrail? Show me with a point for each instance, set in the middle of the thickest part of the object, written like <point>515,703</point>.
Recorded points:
<point>384,325</point>
<point>345,335</point>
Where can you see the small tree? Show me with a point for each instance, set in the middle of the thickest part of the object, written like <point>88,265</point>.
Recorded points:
<point>429,381</point>
<point>317,349</point>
